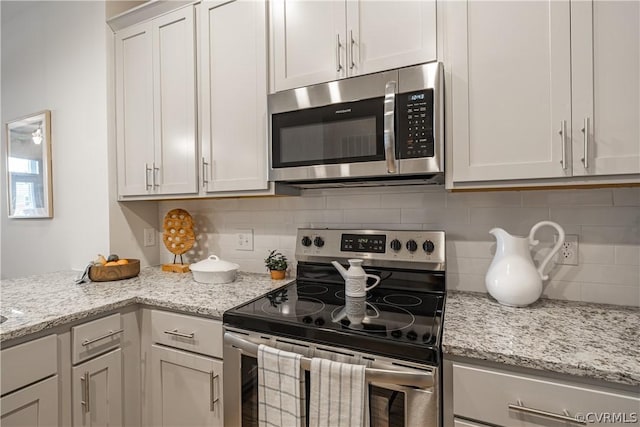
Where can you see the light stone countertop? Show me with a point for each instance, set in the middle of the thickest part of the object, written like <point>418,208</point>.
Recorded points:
<point>588,340</point>
<point>36,303</point>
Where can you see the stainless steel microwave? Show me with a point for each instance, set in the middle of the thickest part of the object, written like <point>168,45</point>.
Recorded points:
<point>386,126</point>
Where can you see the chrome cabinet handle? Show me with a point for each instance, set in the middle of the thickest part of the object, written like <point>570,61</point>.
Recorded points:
<point>566,417</point>
<point>389,131</point>
<point>107,335</point>
<point>563,133</point>
<point>212,378</point>
<point>146,176</point>
<point>205,181</point>
<point>585,143</point>
<point>85,392</point>
<point>338,46</point>
<point>155,169</point>
<point>352,64</point>
<point>180,334</point>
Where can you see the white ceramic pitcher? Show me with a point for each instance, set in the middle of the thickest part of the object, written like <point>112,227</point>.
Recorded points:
<point>355,278</point>
<point>512,278</point>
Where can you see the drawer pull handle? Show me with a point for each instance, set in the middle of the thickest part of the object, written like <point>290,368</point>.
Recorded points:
<point>180,334</point>
<point>520,407</point>
<point>85,391</point>
<point>214,400</point>
<point>107,335</point>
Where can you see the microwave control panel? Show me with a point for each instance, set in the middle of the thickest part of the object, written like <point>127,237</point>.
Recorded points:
<point>414,112</point>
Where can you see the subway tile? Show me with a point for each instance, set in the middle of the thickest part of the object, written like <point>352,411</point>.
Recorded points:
<point>606,216</point>
<point>391,216</point>
<point>355,201</point>
<point>412,200</point>
<point>558,289</point>
<point>315,216</point>
<point>484,199</point>
<point>597,273</point>
<point>465,282</point>
<point>611,294</point>
<point>590,253</point>
<point>470,249</point>
<point>626,196</point>
<point>610,235</point>
<point>435,215</point>
<point>516,221</point>
<point>586,197</point>
<point>386,226</point>
<point>627,254</point>
<point>262,217</point>
<point>302,203</point>
<point>473,266</point>
<point>259,204</point>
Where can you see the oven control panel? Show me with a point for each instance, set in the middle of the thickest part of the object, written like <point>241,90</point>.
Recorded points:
<point>376,246</point>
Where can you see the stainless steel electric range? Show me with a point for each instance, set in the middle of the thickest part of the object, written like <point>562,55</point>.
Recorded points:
<point>395,330</point>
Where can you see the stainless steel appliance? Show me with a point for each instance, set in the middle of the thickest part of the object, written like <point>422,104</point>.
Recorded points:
<point>379,127</point>
<point>395,330</point>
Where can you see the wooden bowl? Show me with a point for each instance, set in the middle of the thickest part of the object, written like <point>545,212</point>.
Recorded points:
<point>115,272</point>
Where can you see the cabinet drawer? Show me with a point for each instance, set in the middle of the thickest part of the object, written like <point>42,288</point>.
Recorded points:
<point>96,337</point>
<point>186,332</point>
<point>29,362</point>
<point>485,394</point>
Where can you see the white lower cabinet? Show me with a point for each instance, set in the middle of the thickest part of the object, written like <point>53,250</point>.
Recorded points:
<point>97,391</point>
<point>515,399</point>
<point>33,406</point>
<point>187,389</point>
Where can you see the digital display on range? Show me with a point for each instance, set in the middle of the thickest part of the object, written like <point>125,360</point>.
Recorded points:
<point>373,243</point>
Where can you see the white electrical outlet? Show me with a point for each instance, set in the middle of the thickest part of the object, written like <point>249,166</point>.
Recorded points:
<point>244,239</point>
<point>149,237</point>
<point>568,253</point>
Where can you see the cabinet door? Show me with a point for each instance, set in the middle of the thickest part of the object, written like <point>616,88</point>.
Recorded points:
<point>510,89</point>
<point>186,389</point>
<point>134,110</point>
<point>175,168</point>
<point>97,391</point>
<point>33,406</point>
<point>370,47</point>
<point>234,95</point>
<point>308,42</point>
<point>605,43</point>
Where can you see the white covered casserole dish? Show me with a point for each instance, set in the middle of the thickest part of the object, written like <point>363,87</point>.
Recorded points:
<point>214,270</point>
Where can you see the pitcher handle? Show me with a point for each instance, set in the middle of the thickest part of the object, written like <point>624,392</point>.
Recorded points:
<point>555,249</point>
<point>375,284</point>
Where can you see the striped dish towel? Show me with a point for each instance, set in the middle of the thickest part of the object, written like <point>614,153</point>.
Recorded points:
<point>338,395</point>
<point>280,388</point>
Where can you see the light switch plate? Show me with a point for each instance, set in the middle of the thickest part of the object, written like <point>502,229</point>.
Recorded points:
<point>244,239</point>
<point>149,237</point>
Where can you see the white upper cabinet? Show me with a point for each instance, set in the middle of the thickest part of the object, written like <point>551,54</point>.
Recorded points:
<point>155,106</point>
<point>605,44</point>
<point>233,88</point>
<point>318,41</point>
<point>524,80</point>
<point>511,94</point>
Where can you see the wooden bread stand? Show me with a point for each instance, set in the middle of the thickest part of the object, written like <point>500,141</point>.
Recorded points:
<point>178,237</point>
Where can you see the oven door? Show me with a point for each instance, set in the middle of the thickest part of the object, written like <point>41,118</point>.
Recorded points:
<point>390,405</point>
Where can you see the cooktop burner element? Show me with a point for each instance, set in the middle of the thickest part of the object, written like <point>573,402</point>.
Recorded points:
<point>401,317</point>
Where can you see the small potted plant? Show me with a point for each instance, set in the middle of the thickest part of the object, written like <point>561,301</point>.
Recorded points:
<point>277,264</point>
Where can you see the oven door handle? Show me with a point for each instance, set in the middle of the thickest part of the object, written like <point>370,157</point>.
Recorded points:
<point>422,380</point>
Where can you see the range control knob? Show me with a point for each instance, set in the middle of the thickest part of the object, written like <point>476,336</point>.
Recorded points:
<point>306,241</point>
<point>396,245</point>
<point>412,335</point>
<point>318,241</point>
<point>428,246</point>
<point>412,246</point>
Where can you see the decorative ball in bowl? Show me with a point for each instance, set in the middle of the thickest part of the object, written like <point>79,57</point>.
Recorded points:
<point>107,273</point>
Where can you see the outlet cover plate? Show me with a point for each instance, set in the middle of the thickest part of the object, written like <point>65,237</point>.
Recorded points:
<point>149,237</point>
<point>568,253</point>
<point>244,239</point>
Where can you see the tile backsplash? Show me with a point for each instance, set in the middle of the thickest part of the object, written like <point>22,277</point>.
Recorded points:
<point>607,222</point>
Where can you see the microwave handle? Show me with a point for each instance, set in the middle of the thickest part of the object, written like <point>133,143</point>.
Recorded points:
<point>389,126</point>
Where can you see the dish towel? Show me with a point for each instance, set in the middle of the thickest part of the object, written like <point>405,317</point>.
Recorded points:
<point>280,388</point>
<point>338,395</point>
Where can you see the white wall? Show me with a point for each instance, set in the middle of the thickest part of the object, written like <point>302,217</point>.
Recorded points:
<point>58,56</point>
<point>607,222</point>
<point>53,58</point>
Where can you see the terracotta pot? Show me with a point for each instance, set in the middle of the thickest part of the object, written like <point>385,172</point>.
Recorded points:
<point>278,274</point>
